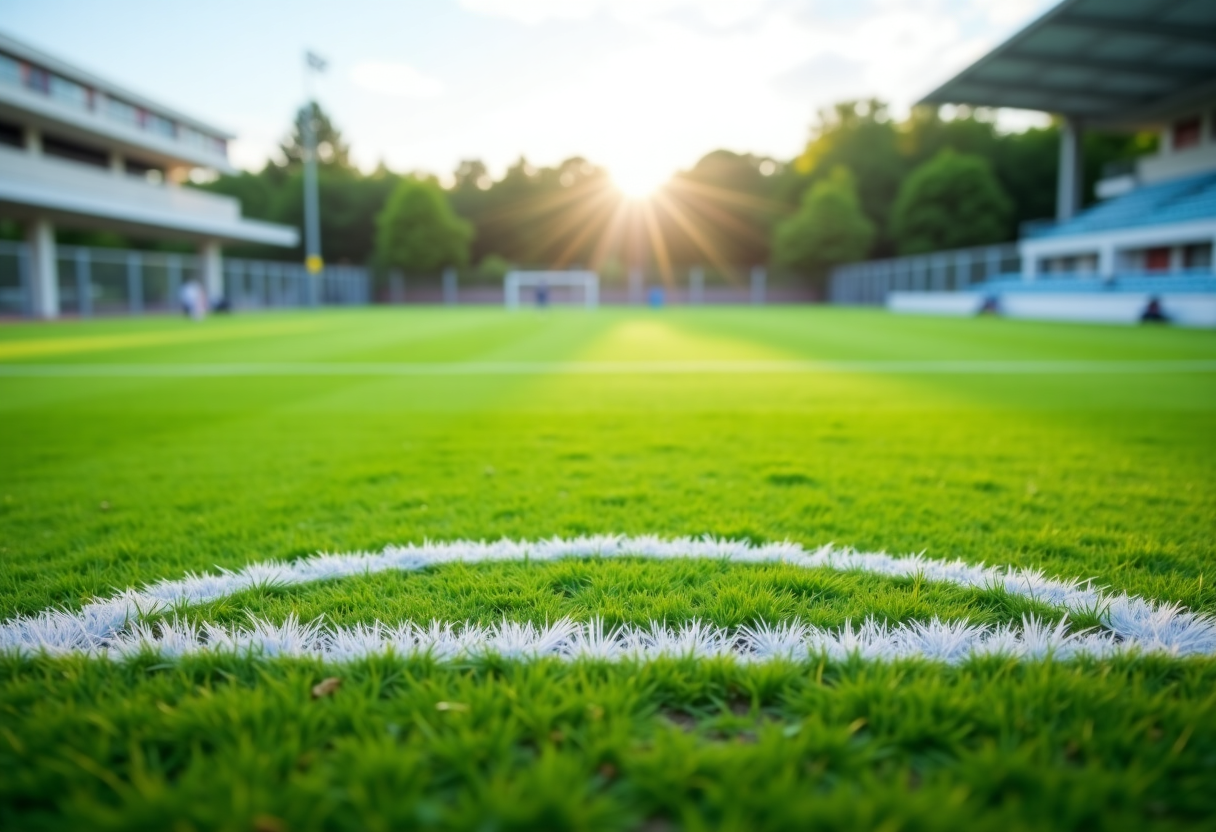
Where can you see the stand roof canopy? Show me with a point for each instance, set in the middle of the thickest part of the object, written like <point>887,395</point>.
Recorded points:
<point>1125,63</point>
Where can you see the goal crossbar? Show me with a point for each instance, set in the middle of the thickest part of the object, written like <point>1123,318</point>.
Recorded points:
<point>583,279</point>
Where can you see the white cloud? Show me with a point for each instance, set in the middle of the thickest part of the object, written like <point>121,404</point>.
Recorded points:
<point>395,79</point>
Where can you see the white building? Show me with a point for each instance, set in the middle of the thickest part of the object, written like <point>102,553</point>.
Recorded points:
<point>1134,65</point>
<point>77,151</point>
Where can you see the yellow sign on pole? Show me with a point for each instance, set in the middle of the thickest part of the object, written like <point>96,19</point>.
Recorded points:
<point>313,263</point>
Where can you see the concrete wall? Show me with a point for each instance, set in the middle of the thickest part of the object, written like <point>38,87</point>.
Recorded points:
<point>964,304</point>
<point>1193,310</point>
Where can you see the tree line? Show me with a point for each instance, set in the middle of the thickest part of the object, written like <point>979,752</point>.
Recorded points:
<point>866,185</point>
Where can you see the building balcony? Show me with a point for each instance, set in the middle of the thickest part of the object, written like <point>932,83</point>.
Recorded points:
<point>92,116</point>
<point>89,197</point>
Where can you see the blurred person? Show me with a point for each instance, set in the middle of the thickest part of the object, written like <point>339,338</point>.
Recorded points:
<point>193,299</point>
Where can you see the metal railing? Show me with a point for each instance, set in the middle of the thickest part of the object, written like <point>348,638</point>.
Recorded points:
<point>267,284</point>
<point>942,271</point>
<point>15,298</point>
<point>39,80</point>
<point>101,281</point>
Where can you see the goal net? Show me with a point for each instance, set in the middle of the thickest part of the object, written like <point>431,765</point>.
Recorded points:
<point>542,288</point>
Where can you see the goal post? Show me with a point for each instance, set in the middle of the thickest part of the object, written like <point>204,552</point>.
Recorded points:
<point>516,281</point>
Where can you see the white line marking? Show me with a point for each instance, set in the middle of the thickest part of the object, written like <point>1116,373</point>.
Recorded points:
<point>533,368</point>
<point>103,625</point>
<point>950,642</point>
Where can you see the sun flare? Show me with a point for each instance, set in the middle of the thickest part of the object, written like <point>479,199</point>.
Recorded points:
<point>637,181</point>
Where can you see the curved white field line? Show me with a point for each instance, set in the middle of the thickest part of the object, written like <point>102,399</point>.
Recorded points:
<point>529,368</point>
<point>112,627</point>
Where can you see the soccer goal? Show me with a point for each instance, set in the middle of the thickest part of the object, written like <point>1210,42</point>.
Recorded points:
<point>542,284</point>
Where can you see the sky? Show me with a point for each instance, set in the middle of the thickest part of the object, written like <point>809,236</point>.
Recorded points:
<point>643,87</point>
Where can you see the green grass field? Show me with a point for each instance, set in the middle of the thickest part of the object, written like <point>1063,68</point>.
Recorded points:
<point>136,450</point>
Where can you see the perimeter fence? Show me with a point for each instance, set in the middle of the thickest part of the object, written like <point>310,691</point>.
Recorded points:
<point>676,286</point>
<point>868,283</point>
<point>103,281</point>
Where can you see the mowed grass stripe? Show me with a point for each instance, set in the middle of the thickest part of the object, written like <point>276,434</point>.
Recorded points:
<point>111,482</point>
<point>1079,475</point>
<point>255,369</point>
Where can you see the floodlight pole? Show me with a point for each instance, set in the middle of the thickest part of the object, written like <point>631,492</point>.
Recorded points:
<point>1072,169</point>
<point>312,205</point>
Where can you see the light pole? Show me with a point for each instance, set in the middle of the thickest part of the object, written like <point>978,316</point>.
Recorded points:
<point>312,207</point>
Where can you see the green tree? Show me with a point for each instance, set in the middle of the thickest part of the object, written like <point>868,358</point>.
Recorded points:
<point>418,231</point>
<point>829,227</point>
<point>534,215</point>
<point>1026,164</point>
<point>924,133</point>
<point>332,149</point>
<point>951,201</point>
<point>350,202</point>
<point>860,136</point>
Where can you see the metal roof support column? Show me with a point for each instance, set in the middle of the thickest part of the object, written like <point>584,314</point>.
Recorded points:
<point>1072,170</point>
<point>43,269</point>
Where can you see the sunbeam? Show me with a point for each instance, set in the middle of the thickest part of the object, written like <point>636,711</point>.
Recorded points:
<point>657,243</point>
<point>698,237</point>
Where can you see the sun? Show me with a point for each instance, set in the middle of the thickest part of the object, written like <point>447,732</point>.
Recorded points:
<point>637,181</point>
